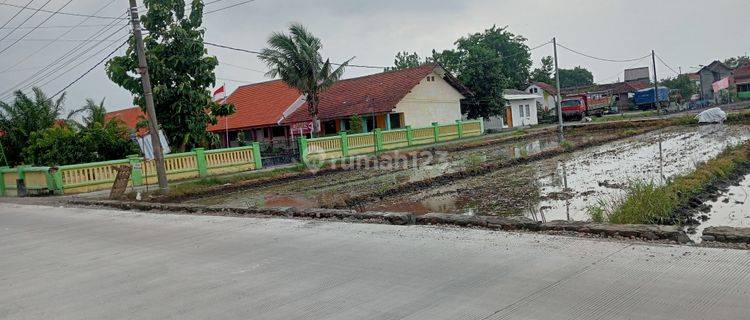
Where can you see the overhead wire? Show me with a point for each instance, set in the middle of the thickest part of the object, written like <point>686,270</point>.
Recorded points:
<point>665,64</point>
<point>61,12</point>
<point>15,15</point>
<point>24,21</point>
<point>33,29</point>
<point>59,38</point>
<point>89,70</point>
<point>601,59</point>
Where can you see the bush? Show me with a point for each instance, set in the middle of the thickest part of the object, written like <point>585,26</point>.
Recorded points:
<point>62,144</point>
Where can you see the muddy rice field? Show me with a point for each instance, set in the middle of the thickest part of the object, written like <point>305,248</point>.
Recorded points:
<point>560,187</point>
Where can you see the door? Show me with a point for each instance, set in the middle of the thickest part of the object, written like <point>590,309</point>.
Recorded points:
<point>509,116</point>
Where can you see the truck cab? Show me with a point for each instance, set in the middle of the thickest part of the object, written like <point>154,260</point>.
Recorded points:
<point>574,107</point>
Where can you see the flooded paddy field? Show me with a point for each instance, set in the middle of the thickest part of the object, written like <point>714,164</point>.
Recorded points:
<point>333,188</point>
<point>730,207</point>
<point>561,188</point>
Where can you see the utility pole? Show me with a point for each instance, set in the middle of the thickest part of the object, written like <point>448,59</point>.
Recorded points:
<point>656,84</point>
<point>153,126</point>
<point>557,80</point>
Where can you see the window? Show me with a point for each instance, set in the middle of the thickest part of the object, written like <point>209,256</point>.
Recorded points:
<point>278,131</point>
<point>329,127</point>
<point>528,111</point>
<point>520,110</point>
<point>395,120</point>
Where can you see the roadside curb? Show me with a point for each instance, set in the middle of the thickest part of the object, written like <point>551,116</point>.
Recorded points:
<point>645,232</point>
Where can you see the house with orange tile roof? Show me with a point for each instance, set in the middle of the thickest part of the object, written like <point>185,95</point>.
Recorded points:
<point>394,99</point>
<point>415,96</point>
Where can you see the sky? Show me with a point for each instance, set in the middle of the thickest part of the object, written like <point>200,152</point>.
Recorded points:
<point>684,33</point>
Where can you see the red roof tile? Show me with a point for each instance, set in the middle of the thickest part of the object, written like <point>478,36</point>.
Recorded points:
<point>262,104</point>
<point>129,117</point>
<point>742,74</point>
<point>546,87</point>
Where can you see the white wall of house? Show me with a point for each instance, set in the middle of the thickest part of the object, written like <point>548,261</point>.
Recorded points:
<point>432,100</point>
<point>546,99</point>
<point>524,111</point>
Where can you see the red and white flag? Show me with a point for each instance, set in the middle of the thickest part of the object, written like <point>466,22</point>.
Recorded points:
<point>220,94</point>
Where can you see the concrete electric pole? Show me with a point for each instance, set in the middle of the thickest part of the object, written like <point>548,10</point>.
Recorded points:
<point>557,81</point>
<point>153,126</point>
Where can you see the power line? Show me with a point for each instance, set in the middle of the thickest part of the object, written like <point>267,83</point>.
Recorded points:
<point>666,65</point>
<point>618,73</point>
<point>15,15</point>
<point>227,7</point>
<point>89,70</point>
<point>62,12</point>
<point>601,59</point>
<point>24,21</point>
<point>239,67</point>
<point>59,38</point>
<point>509,56</point>
<point>258,52</point>
<point>56,27</point>
<point>33,29</point>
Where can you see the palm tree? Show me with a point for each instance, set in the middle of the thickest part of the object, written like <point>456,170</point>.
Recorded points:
<point>94,113</point>
<point>296,59</point>
<point>24,116</point>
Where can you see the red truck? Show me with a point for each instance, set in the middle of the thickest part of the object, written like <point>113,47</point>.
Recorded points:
<point>583,105</point>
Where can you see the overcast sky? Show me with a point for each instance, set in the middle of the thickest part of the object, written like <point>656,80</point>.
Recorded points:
<point>685,33</point>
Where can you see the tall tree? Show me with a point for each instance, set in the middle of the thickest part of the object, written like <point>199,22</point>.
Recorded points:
<point>735,62</point>
<point>405,60</point>
<point>24,116</point>
<point>180,68</point>
<point>682,83</point>
<point>487,63</point>
<point>296,59</point>
<point>577,76</point>
<point>544,72</point>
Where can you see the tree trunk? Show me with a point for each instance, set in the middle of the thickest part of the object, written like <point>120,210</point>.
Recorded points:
<point>312,101</point>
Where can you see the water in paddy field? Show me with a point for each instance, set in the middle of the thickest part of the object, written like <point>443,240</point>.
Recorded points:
<point>563,187</point>
<point>329,189</point>
<point>730,208</point>
<point>603,172</point>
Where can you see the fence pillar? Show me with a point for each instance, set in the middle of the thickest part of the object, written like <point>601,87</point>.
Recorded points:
<point>460,129</point>
<point>2,181</point>
<point>409,135</point>
<point>344,144</point>
<point>302,149</point>
<point>136,170</point>
<point>378,139</point>
<point>481,126</point>
<point>256,155</point>
<point>200,160</point>
<point>436,131</point>
<point>56,181</point>
<point>387,121</point>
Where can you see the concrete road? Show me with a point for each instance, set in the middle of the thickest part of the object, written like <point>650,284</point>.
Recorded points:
<point>63,263</point>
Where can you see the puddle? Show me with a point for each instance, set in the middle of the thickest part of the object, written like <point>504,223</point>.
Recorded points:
<point>731,208</point>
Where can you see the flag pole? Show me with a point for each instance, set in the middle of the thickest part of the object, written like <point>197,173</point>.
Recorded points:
<point>226,118</point>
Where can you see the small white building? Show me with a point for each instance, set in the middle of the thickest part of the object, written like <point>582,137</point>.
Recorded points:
<point>547,96</point>
<point>520,108</point>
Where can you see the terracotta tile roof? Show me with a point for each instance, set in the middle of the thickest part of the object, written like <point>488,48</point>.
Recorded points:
<point>259,104</point>
<point>129,117</point>
<point>546,87</point>
<point>263,104</point>
<point>616,88</point>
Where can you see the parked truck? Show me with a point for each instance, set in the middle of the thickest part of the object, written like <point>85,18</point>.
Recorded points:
<point>588,104</point>
<point>644,99</point>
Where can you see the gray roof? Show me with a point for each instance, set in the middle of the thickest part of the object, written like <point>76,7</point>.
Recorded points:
<point>513,91</point>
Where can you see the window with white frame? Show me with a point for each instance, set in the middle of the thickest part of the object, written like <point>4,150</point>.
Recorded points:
<point>528,111</point>
<point>520,110</point>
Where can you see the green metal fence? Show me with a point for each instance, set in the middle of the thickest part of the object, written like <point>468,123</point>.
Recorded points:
<point>346,145</point>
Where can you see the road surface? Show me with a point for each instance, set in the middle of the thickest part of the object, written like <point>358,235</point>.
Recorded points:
<point>67,263</point>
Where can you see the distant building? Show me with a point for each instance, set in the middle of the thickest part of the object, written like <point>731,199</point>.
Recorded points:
<point>637,74</point>
<point>709,74</point>
<point>742,81</point>
<point>520,108</point>
<point>547,96</point>
<point>622,91</point>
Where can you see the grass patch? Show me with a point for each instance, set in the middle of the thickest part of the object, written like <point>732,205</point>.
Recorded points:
<point>648,203</point>
<point>566,145</point>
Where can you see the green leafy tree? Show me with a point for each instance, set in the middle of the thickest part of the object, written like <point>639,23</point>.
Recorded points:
<point>24,116</point>
<point>405,60</point>
<point>355,124</point>
<point>486,63</point>
<point>544,72</point>
<point>683,84</point>
<point>296,59</point>
<point>735,62</point>
<point>575,77</point>
<point>181,72</point>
